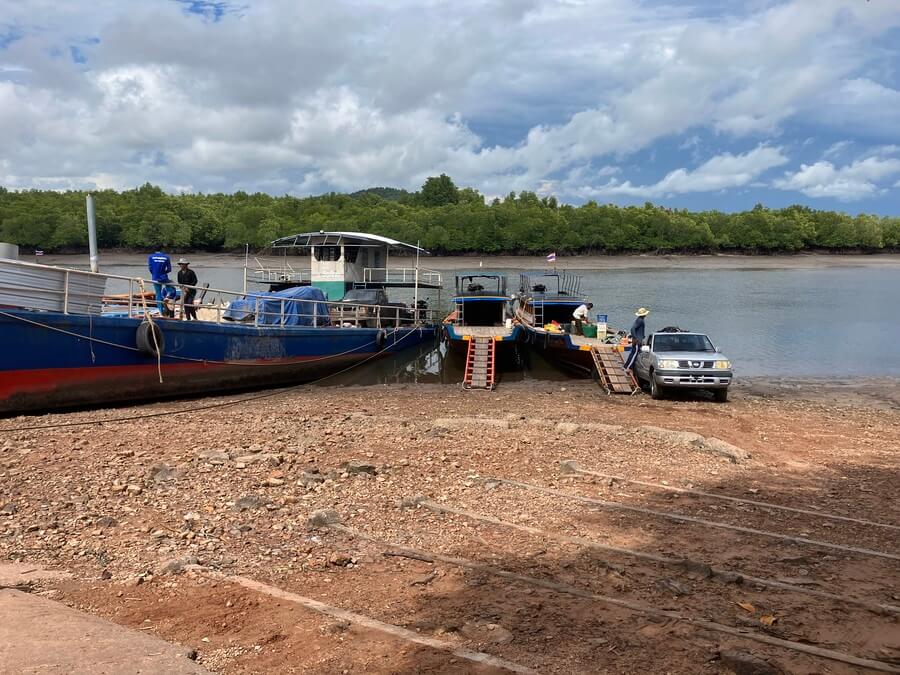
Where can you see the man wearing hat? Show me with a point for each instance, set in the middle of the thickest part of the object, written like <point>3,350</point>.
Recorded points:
<point>637,337</point>
<point>187,277</point>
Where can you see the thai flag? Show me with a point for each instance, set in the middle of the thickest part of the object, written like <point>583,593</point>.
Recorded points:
<point>551,257</point>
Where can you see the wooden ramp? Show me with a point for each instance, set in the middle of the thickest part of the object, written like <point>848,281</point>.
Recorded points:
<point>611,369</point>
<point>480,367</point>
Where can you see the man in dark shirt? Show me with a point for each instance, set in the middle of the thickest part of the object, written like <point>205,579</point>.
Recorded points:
<point>187,277</point>
<point>637,337</point>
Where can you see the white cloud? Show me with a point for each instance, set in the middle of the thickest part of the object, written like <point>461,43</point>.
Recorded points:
<point>718,173</point>
<point>847,183</point>
<point>307,97</point>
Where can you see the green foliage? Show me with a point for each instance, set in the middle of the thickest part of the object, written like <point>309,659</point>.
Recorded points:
<point>444,219</point>
<point>439,191</point>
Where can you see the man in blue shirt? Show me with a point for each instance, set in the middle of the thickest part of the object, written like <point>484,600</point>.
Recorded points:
<point>637,337</point>
<point>160,266</point>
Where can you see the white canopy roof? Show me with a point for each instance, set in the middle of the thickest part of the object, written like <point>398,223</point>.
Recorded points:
<point>323,238</point>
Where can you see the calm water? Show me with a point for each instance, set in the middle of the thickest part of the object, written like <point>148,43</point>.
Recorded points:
<point>835,321</point>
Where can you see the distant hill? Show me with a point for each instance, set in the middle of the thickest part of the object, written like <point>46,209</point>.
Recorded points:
<point>388,193</point>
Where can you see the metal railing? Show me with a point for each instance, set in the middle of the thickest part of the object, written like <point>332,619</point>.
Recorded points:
<point>402,275</point>
<point>48,288</point>
<point>285,273</point>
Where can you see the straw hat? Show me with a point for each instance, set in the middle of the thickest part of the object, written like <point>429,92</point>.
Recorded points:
<point>184,261</point>
<point>643,311</point>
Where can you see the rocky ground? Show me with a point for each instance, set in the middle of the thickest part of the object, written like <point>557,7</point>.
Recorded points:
<point>448,514</point>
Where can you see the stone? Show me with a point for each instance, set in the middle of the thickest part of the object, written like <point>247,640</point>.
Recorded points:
<point>423,579</point>
<point>340,559</point>
<point>355,468</point>
<point>729,577</point>
<point>567,427</point>
<point>106,521</point>
<point>9,509</point>
<point>176,565</point>
<point>673,586</point>
<point>249,502</point>
<point>273,482</point>
<point>481,631</point>
<point>310,478</point>
<point>161,473</point>
<point>214,456</point>
<point>569,466</point>
<point>323,518</point>
<point>474,422</point>
<point>724,449</point>
<point>410,502</point>
<point>744,663</point>
<point>696,570</point>
<point>134,489</point>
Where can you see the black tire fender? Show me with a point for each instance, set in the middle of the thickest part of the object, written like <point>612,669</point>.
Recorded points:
<point>150,339</point>
<point>380,339</point>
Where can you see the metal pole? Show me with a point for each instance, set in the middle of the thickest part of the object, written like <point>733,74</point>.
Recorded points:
<point>416,292</point>
<point>92,234</point>
<point>246,256</point>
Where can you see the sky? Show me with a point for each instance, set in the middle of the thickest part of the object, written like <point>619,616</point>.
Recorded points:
<point>696,104</point>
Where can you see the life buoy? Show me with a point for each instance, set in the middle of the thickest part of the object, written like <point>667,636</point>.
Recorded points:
<point>380,339</point>
<point>150,339</point>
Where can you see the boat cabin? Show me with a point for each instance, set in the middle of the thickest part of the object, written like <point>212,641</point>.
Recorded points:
<point>481,299</point>
<point>341,261</point>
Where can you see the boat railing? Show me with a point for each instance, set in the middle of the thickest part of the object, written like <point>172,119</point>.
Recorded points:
<point>402,275</point>
<point>285,273</point>
<point>69,291</point>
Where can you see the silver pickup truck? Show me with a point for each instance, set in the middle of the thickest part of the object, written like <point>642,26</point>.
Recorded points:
<point>683,361</point>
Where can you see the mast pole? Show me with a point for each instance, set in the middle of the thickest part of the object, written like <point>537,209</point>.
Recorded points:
<point>92,234</point>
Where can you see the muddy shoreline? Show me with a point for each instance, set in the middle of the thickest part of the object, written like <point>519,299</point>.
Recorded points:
<point>801,261</point>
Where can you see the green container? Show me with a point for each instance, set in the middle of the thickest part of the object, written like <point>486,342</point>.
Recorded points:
<point>589,330</point>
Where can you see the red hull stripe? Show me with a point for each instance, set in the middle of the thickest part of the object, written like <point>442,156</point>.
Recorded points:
<point>46,380</point>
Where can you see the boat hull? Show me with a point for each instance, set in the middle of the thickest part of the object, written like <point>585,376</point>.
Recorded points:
<point>558,349</point>
<point>51,361</point>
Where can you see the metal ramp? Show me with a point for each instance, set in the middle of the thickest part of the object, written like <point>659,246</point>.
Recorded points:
<point>480,367</point>
<point>611,369</point>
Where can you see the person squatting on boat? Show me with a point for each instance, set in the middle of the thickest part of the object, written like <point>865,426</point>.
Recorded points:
<point>580,317</point>
<point>187,277</point>
<point>637,337</point>
<point>170,301</point>
<point>160,266</point>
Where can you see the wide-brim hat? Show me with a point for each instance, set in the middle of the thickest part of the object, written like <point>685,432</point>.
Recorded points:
<point>184,261</point>
<point>643,311</point>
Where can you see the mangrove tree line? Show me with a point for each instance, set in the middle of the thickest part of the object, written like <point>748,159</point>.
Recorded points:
<point>442,217</point>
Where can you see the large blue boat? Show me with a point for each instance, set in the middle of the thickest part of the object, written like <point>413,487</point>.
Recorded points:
<point>61,350</point>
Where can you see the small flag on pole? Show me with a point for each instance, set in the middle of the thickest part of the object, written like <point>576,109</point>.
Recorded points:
<point>551,257</point>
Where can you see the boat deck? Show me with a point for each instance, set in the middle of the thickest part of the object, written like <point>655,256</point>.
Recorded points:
<point>483,331</point>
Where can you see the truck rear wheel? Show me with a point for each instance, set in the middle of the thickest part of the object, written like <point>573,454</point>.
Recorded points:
<point>656,391</point>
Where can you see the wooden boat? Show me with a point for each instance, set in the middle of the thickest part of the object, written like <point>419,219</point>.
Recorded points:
<point>546,302</point>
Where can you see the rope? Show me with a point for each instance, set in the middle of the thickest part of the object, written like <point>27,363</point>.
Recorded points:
<point>212,406</point>
<point>149,319</point>
<point>173,356</point>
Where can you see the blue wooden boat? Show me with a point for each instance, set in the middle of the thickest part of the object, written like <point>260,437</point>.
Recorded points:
<point>59,350</point>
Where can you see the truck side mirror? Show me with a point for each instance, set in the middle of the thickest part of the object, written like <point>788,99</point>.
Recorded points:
<point>645,348</point>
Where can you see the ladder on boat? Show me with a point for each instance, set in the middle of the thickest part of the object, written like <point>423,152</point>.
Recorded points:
<point>611,369</point>
<point>480,367</point>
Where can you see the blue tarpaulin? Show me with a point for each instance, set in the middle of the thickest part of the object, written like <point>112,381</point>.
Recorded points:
<point>299,306</point>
